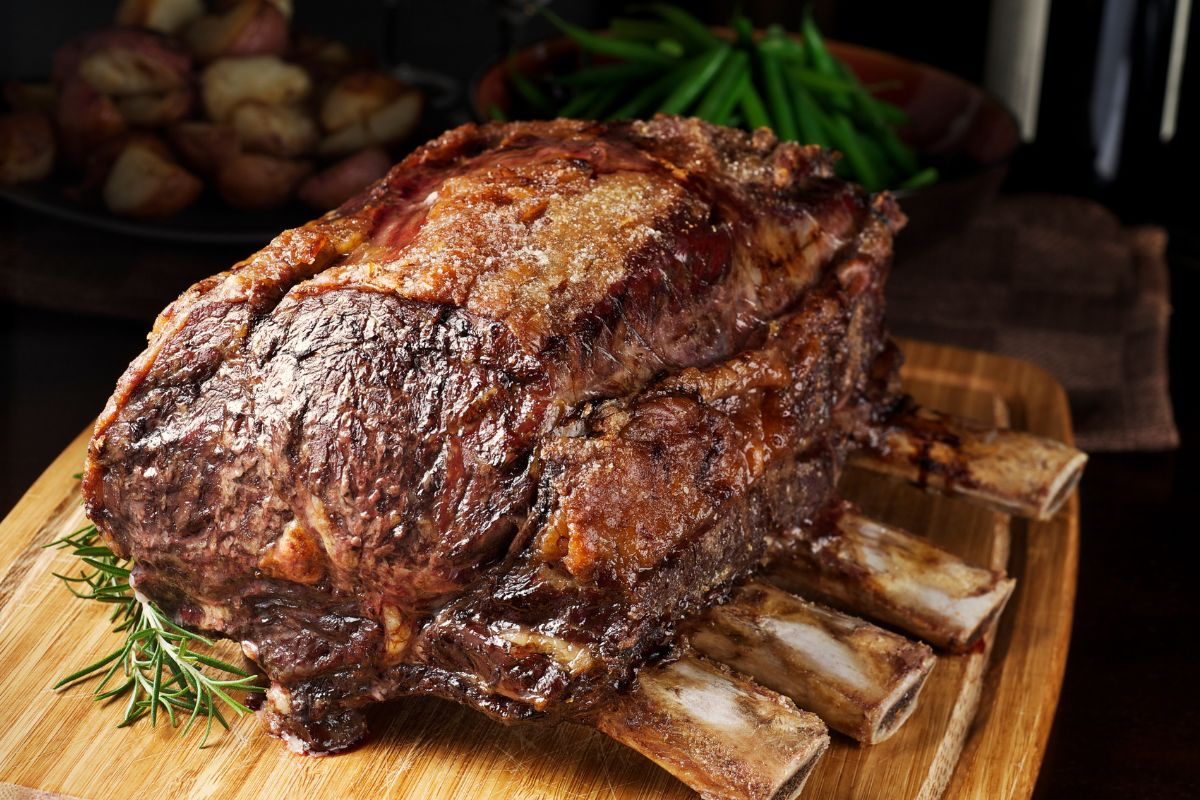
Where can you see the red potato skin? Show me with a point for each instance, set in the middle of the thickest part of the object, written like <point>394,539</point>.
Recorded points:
<point>174,187</point>
<point>99,161</point>
<point>326,60</point>
<point>86,120</point>
<point>164,109</point>
<point>204,146</point>
<point>168,16</point>
<point>68,57</point>
<point>249,28</point>
<point>254,182</point>
<point>337,183</point>
<point>93,126</point>
<point>265,34</point>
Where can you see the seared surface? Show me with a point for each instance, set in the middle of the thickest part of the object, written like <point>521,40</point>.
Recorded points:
<point>488,430</point>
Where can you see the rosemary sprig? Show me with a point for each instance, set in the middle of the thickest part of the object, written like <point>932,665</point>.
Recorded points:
<point>159,668</point>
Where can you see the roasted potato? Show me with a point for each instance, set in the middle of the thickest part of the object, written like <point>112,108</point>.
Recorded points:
<point>98,162</point>
<point>255,182</point>
<point>167,16</point>
<point>40,97</point>
<point>121,61</point>
<point>156,110</point>
<point>229,82</point>
<point>259,119</point>
<point>222,6</point>
<point>26,147</point>
<point>388,125</point>
<point>284,131</point>
<point>326,60</point>
<point>143,183</point>
<point>285,7</point>
<point>355,97</point>
<point>204,146</point>
<point>122,72</point>
<point>86,118</point>
<point>248,28</point>
<point>336,184</point>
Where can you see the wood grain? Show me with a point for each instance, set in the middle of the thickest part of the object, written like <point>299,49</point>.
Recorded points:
<point>979,731</point>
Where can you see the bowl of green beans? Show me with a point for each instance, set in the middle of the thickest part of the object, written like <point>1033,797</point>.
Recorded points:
<point>941,144</point>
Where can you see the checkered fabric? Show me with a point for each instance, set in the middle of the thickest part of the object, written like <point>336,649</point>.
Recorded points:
<point>1060,282</point>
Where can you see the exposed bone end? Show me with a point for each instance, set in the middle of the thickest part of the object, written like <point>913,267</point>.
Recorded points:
<point>718,732</point>
<point>1011,471</point>
<point>862,680</point>
<point>889,575</point>
<point>895,709</point>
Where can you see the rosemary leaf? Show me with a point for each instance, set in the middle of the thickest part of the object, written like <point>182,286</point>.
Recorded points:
<point>160,665</point>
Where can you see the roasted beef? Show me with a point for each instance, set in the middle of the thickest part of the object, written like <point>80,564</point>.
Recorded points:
<point>491,429</point>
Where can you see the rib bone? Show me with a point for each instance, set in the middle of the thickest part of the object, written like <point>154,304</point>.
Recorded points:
<point>860,679</point>
<point>1011,471</point>
<point>719,732</point>
<point>889,575</point>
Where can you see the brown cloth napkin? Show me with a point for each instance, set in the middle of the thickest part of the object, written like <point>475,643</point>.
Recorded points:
<point>1060,282</point>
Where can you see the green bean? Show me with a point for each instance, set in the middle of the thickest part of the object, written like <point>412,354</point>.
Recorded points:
<point>901,154</point>
<point>816,46</point>
<point>818,81</point>
<point>744,28</point>
<point>651,95</point>
<point>871,109</point>
<point>625,28</point>
<point>879,113</point>
<point>579,102</point>
<point>887,174</point>
<point>692,29</point>
<point>725,113</point>
<point>618,48</point>
<point>822,61</point>
<point>776,45</point>
<point>671,47</point>
<point>605,74</point>
<point>752,108</point>
<point>776,37</point>
<point>868,106</point>
<point>847,141</point>
<point>809,117</point>
<point>791,52</point>
<point>890,113</point>
<point>723,95</point>
<point>671,61</point>
<point>705,69</point>
<point>602,101</point>
<point>777,96</point>
<point>529,90</point>
<point>923,178</point>
<point>494,113</point>
<point>780,41</point>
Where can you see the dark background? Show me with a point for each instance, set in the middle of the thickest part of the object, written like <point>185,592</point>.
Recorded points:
<point>1128,726</point>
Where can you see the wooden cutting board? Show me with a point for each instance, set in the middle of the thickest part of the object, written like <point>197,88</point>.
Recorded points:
<point>979,730</point>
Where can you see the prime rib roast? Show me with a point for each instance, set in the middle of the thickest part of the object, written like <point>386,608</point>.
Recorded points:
<point>499,427</point>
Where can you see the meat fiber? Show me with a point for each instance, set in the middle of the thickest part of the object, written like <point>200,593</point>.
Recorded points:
<point>491,429</point>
